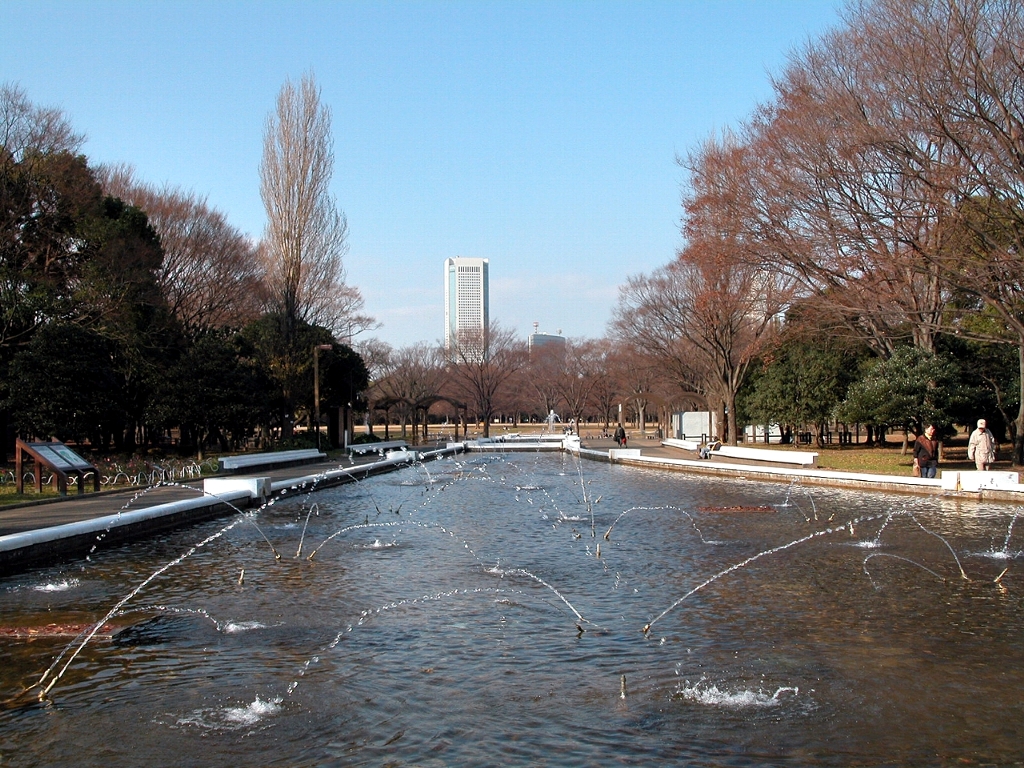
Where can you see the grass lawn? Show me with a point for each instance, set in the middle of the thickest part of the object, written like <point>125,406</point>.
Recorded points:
<point>886,460</point>
<point>9,494</point>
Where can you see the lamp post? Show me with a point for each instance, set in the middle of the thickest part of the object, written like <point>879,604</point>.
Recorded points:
<point>316,388</point>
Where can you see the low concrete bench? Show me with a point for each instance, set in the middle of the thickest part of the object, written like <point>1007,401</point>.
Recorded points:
<point>383,447</point>
<point>686,445</point>
<point>800,458</point>
<point>271,460</point>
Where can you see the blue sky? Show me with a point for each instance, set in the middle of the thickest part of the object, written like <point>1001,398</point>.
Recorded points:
<point>540,135</point>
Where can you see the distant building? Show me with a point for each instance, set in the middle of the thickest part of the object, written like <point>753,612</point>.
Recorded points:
<point>466,306</point>
<point>546,342</point>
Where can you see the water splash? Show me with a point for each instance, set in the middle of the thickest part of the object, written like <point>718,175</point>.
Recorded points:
<point>709,694</point>
<point>940,538</point>
<point>237,627</point>
<point>232,718</point>
<point>56,670</point>
<point>539,580</point>
<point>57,586</point>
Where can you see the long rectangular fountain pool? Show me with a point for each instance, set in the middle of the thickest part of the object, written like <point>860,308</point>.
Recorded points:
<point>526,609</point>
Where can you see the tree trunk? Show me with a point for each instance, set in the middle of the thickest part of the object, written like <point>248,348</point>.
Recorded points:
<point>731,415</point>
<point>1018,438</point>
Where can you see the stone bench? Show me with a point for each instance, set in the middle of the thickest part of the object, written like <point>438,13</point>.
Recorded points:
<point>799,458</point>
<point>271,460</point>
<point>361,449</point>
<point>686,445</point>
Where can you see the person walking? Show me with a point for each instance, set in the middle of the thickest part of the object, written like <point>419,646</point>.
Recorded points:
<point>981,448</point>
<point>926,453</point>
<point>620,436</point>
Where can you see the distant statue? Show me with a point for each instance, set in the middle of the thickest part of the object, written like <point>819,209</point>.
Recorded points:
<point>550,419</point>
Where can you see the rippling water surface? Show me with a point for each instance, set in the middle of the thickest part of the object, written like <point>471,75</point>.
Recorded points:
<point>528,610</point>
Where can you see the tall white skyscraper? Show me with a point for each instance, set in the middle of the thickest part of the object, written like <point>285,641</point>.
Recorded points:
<point>466,310</point>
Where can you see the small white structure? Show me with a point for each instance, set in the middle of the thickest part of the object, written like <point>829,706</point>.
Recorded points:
<point>979,481</point>
<point>257,487</point>
<point>695,424</point>
<point>623,453</point>
<point>754,433</point>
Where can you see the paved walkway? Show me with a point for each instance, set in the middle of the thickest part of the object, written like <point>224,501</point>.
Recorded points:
<point>88,506</point>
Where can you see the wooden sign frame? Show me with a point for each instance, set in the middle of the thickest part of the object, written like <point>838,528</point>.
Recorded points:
<point>63,462</point>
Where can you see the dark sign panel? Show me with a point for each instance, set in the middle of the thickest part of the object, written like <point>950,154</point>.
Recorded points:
<point>70,456</point>
<point>59,456</point>
<point>46,454</point>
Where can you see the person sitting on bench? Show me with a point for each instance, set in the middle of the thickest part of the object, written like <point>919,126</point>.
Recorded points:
<point>714,445</point>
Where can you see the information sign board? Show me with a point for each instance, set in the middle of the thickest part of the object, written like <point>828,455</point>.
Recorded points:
<point>72,458</point>
<point>60,459</point>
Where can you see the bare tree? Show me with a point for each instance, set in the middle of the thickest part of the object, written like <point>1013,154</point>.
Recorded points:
<point>209,276</point>
<point>706,316</point>
<point>608,387</point>
<point>378,356</point>
<point>411,380</point>
<point>811,197</point>
<point>306,235</point>
<point>958,81</point>
<point>579,375</point>
<point>540,377</point>
<point>27,129</point>
<point>637,372</point>
<point>480,380</point>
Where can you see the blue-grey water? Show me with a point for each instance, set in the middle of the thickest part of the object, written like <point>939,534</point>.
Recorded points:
<point>439,623</point>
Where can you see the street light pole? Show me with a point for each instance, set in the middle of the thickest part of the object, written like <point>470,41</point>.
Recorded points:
<point>316,388</point>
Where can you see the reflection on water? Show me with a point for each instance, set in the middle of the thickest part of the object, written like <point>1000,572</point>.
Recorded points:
<point>493,611</point>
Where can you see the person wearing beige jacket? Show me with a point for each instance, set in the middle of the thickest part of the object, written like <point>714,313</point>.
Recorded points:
<point>981,448</point>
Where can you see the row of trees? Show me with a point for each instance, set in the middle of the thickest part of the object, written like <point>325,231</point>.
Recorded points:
<point>852,251</point>
<point>855,246</point>
<point>127,310</point>
<point>586,380</point>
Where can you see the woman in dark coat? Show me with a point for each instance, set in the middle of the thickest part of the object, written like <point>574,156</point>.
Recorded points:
<point>926,452</point>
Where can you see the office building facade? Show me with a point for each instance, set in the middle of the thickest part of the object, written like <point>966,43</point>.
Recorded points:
<point>466,307</point>
<point>546,343</point>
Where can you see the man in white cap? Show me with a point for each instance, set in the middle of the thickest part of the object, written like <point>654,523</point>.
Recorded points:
<point>981,448</point>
